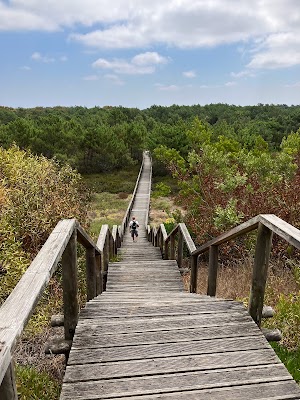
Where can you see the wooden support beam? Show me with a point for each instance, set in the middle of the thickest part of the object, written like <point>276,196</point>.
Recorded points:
<point>105,260</point>
<point>166,250</point>
<point>212,270</point>
<point>260,271</point>
<point>194,274</point>
<point>91,278</point>
<point>8,389</point>
<point>172,247</point>
<point>99,279</point>
<point>180,249</point>
<point>70,287</point>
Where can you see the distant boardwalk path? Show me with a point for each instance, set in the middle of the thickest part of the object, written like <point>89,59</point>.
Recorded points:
<point>146,338</point>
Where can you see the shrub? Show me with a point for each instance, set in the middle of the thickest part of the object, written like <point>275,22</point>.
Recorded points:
<point>35,193</point>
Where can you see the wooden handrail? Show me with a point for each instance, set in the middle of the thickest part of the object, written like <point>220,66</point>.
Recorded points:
<point>266,224</point>
<point>160,238</point>
<point>19,306</point>
<point>149,194</point>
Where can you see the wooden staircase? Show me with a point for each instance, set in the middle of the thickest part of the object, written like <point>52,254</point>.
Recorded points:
<point>146,338</point>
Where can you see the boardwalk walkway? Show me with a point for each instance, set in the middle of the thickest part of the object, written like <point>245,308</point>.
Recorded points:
<point>145,338</point>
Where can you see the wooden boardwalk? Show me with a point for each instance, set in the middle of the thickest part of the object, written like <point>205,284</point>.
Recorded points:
<point>146,338</point>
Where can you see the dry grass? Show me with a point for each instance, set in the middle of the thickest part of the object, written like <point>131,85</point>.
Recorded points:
<point>31,351</point>
<point>234,281</point>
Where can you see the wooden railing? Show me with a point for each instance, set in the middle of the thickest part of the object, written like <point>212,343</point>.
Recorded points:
<point>108,243</point>
<point>19,306</point>
<point>179,235</point>
<point>266,224</point>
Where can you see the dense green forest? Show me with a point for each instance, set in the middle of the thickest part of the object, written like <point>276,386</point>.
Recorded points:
<point>101,139</point>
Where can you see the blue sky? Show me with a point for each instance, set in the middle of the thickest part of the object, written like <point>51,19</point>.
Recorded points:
<point>138,53</point>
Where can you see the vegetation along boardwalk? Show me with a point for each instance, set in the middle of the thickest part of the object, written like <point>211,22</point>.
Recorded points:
<point>146,338</point>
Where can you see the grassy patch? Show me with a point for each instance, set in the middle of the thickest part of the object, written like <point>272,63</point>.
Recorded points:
<point>113,182</point>
<point>106,208</point>
<point>291,359</point>
<point>35,385</point>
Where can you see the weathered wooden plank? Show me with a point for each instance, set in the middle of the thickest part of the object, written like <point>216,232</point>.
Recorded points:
<point>164,336</point>
<point>185,309</point>
<point>283,390</point>
<point>187,238</point>
<point>123,325</point>
<point>156,366</point>
<point>283,229</point>
<point>181,382</point>
<point>107,353</point>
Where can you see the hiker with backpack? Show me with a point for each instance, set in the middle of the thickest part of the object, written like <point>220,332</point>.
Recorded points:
<point>133,225</point>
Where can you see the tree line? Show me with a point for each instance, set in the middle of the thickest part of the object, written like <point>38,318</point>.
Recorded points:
<point>101,139</point>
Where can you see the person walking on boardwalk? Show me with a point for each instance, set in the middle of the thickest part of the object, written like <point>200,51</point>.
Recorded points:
<point>133,226</point>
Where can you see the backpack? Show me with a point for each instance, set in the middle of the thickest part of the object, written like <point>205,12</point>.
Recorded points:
<point>133,225</point>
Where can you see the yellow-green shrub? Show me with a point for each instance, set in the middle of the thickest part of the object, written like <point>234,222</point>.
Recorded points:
<point>35,193</point>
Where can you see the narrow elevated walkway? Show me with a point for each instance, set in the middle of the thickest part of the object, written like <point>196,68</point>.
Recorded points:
<point>145,338</point>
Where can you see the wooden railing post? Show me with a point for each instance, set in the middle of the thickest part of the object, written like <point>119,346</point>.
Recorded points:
<point>105,259</point>
<point>180,249</point>
<point>194,274</point>
<point>70,286</point>
<point>111,245</point>
<point>91,276</point>
<point>166,250</point>
<point>172,247</point>
<point>99,278</point>
<point>212,270</point>
<point>8,389</point>
<point>161,241</point>
<point>260,271</point>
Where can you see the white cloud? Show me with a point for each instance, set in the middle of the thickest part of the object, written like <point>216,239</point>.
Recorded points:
<point>279,50</point>
<point>123,67</point>
<point>91,78</point>
<point>189,74</point>
<point>149,58</point>
<point>243,74</point>
<point>25,68</point>
<point>230,83</point>
<point>272,26</point>
<point>15,18</point>
<point>141,64</point>
<point>39,57</point>
<point>167,88</point>
<point>63,58</point>
<point>114,79</point>
<point>293,85</point>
